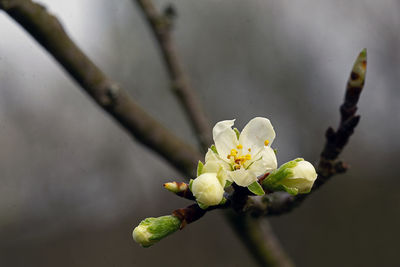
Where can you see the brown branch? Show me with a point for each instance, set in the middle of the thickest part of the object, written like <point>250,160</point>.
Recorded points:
<point>193,212</point>
<point>329,165</point>
<point>160,25</point>
<point>336,141</point>
<point>47,30</point>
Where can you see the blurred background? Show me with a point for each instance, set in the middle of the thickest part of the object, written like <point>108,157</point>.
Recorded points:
<point>73,184</point>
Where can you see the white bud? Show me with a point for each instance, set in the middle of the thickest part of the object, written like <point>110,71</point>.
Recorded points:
<point>207,189</point>
<point>303,177</point>
<point>295,177</point>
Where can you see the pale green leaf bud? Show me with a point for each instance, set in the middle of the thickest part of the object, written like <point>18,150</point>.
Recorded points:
<point>152,230</point>
<point>207,189</point>
<point>295,177</point>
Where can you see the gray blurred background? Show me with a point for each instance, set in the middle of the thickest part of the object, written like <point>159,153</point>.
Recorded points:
<point>73,184</point>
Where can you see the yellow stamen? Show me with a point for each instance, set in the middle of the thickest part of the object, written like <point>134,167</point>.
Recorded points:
<point>249,149</point>
<point>266,142</point>
<point>237,158</point>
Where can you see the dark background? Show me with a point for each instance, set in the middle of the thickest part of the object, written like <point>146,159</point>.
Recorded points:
<point>73,184</point>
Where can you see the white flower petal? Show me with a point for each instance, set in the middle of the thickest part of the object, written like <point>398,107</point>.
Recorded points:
<point>255,133</point>
<point>264,161</point>
<point>211,166</point>
<point>224,138</point>
<point>242,177</point>
<point>213,163</point>
<point>306,170</point>
<point>211,156</point>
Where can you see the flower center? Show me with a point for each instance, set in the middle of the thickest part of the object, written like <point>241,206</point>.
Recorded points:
<point>237,157</point>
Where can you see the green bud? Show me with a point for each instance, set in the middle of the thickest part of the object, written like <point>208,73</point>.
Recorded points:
<point>152,230</point>
<point>295,177</point>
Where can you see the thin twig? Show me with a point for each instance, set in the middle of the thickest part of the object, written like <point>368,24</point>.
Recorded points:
<point>161,25</point>
<point>47,30</point>
<point>329,165</point>
<point>180,189</point>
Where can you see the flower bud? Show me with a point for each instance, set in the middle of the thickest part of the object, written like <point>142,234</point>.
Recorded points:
<point>207,189</point>
<point>152,230</point>
<point>176,187</point>
<point>295,177</point>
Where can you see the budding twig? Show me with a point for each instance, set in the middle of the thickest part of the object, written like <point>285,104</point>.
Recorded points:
<point>329,165</point>
<point>336,140</point>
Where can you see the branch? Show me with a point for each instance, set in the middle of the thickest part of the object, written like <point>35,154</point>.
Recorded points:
<point>47,30</point>
<point>161,25</point>
<point>336,141</point>
<point>329,165</point>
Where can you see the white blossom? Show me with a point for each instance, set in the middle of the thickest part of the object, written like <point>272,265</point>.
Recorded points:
<point>243,157</point>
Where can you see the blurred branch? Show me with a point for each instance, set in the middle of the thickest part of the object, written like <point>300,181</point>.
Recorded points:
<point>268,251</point>
<point>47,30</point>
<point>161,25</point>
